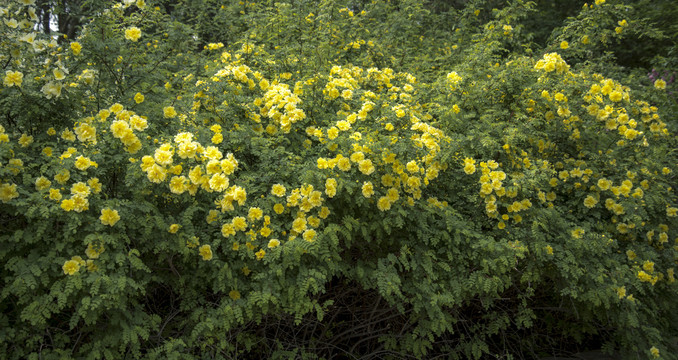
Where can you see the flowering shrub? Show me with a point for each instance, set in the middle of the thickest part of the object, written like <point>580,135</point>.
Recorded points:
<point>162,201</point>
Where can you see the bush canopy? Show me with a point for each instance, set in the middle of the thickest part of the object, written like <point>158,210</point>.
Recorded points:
<point>359,179</point>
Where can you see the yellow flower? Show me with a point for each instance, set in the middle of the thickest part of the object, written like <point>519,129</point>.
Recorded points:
<point>92,252</point>
<point>383,203</point>
<point>469,166</point>
<point>82,163</point>
<point>13,78</point>
<point>68,204</point>
<point>278,190</point>
<point>343,125</point>
<point>660,84</point>
<point>173,228</point>
<point>577,233</point>
<point>654,351</point>
<point>156,174</point>
<point>42,183</point>
<point>169,112</point>
<point>81,189</point>
<point>206,252</point>
<point>663,237</point>
<point>309,235</point>
<point>239,194</point>
<point>366,167</point>
<point>273,243</point>
<point>8,192</point>
<point>332,133</point>
<point>264,84</point>
<point>108,216</point>
<point>54,194</point>
<point>25,140</point>
<point>590,201</point>
<point>178,184</point>
<point>218,182</point>
<point>299,225</point>
<point>344,164</point>
<point>564,45</point>
<point>412,167</point>
<point>604,184</point>
<point>59,74</point>
<point>227,230</point>
<point>76,48</point>
<point>648,266</point>
<point>118,128</point>
<point>278,208</point>
<point>260,254</point>
<point>367,189</point>
<point>91,266</point>
<point>324,212</point>
<point>212,216</point>
<point>234,294</point>
<point>330,191</point>
<point>645,277</point>
<point>86,132</point>
<point>116,108</point>
<point>239,223</point>
<point>71,267</point>
<point>139,98</point>
<point>615,96</point>
<point>255,213</point>
<point>133,33</point>
<point>454,78</point>
<point>347,94</point>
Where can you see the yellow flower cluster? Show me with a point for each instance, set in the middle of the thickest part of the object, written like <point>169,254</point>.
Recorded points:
<point>645,277</point>
<point>218,137</point>
<point>454,79</point>
<point>124,125</point>
<point>408,175</point>
<point>76,48</point>
<point>620,118</point>
<point>492,189</point>
<point>3,135</point>
<point>210,173</point>
<point>342,78</point>
<point>279,97</point>
<point>72,266</point>
<point>552,62</point>
<point>469,166</point>
<point>80,191</point>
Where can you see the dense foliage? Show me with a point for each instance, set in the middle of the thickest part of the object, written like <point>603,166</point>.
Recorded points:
<point>385,179</point>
